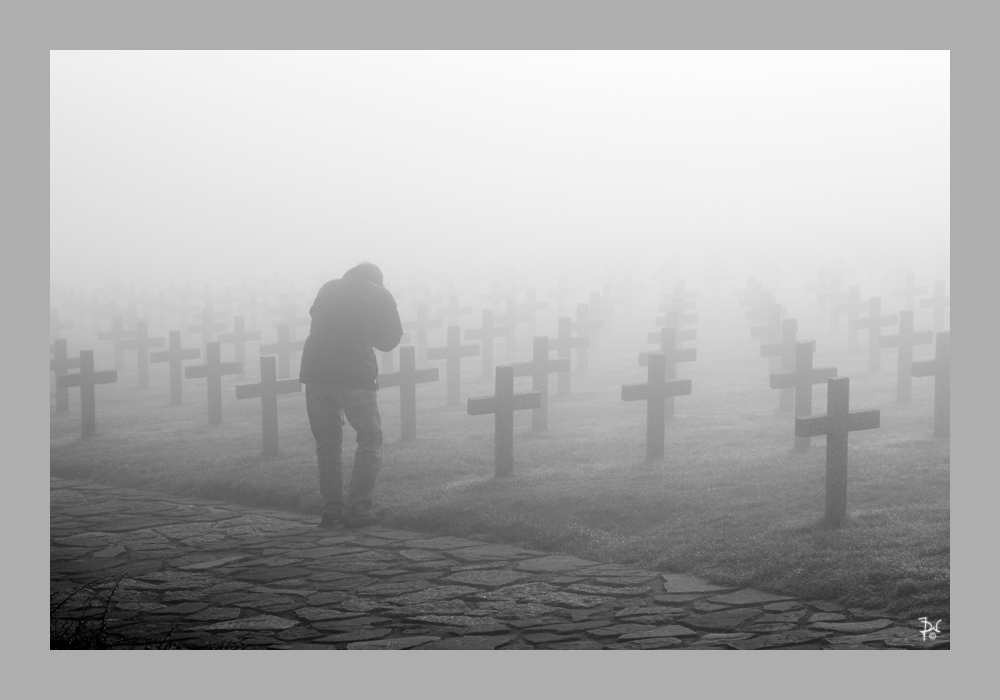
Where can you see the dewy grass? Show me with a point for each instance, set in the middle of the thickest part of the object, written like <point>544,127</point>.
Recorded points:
<point>731,501</point>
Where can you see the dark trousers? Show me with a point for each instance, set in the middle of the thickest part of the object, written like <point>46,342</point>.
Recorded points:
<point>327,405</point>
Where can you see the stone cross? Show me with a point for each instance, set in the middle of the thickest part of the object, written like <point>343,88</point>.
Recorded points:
<point>757,311</point>
<point>184,309</point>
<point>771,333</point>
<point>421,326</point>
<point>565,342</point>
<point>937,302</point>
<point>538,369</point>
<point>141,343</point>
<point>283,348</point>
<point>487,335</point>
<point>388,358</point>
<point>502,405</point>
<point>874,323</point>
<point>55,325</point>
<point>213,370</point>
<point>117,335</point>
<point>208,326</point>
<point>837,424</point>
<point>253,305</point>
<point>61,365</point>
<point>909,292</point>
<point>175,355</point>
<point>453,352</point>
<point>675,318</point>
<point>785,351</point>
<point>821,290</point>
<point>586,327</point>
<point>453,311</point>
<point>239,338</point>
<point>828,300</point>
<point>267,391</point>
<point>905,341</point>
<point>562,293</point>
<point>407,379</point>
<point>287,313</point>
<point>87,379</point>
<point>600,312</point>
<point>802,378</point>
<point>940,369</point>
<point>530,309</point>
<point>668,339</point>
<point>510,319</point>
<point>852,307</point>
<point>655,392</point>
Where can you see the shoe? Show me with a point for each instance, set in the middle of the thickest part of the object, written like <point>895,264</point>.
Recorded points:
<point>358,519</point>
<point>330,520</point>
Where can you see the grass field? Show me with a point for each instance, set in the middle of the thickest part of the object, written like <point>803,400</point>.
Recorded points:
<point>731,501</point>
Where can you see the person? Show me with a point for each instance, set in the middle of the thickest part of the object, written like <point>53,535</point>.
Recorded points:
<point>350,317</point>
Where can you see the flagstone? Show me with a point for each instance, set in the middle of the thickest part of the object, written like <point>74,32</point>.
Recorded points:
<point>359,605</point>
<point>521,611</point>
<point>487,577</point>
<point>394,643</point>
<point>431,594</point>
<point>319,614</point>
<point>566,627</point>
<point>455,620</point>
<point>824,605</point>
<point>579,644</point>
<point>633,610</point>
<point>826,617</point>
<point>678,597</point>
<point>179,579</point>
<point>491,551</point>
<point>683,583</point>
<point>394,588</point>
<point>665,631</point>
<point>770,627</point>
<point>618,630</point>
<point>259,622</point>
<point>747,596</point>
<point>340,539</point>
<point>792,616</point>
<point>722,620</point>
<point>469,642</point>
<point>445,542</point>
<point>654,643</point>
<point>215,613</point>
<point>718,638</point>
<point>783,606</point>
<point>441,607</point>
<point>548,637</point>
<point>703,606</point>
<point>180,609</point>
<point>358,636</point>
<point>779,639</point>
<point>609,590</point>
<point>391,573</point>
<point>421,555</point>
<point>624,581</point>
<point>554,562</point>
<point>330,551</point>
<point>110,551</point>
<point>272,574</point>
<point>296,633</point>
<point>181,596</point>
<point>852,627</point>
<point>139,606</point>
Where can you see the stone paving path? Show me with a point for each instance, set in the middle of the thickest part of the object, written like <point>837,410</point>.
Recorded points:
<point>207,574</point>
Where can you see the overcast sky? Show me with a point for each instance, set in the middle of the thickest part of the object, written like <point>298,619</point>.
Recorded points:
<point>222,165</point>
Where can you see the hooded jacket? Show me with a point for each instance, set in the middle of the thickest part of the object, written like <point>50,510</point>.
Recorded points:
<point>350,316</point>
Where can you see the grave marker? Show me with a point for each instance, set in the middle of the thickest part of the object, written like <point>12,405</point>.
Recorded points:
<point>837,424</point>
<point>87,379</point>
<point>487,335</point>
<point>388,358</point>
<point>909,292</point>
<point>239,338</point>
<point>940,369</point>
<point>207,326</point>
<point>655,392</point>
<point>562,293</point>
<point>117,335</point>
<point>61,364</point>
<point>785,351</point>
<point>905,341</point>
<point>141,343</point>
<point>668,339</point>
<point>538,369</point>
<point>771,333</point>
<point>874,323</point>
<point>283,348</point>
<point>453,353</point>
<point>253,305</point>
<point>530,309</point>
<point>213,370</point>
<point>937,302</point>
<point>564,344</point>
<point>852,307</point>
<point>407,379</point>
<point>510,319</point>
<point>586,327</point>
<point>175,355</point>
<point>421,326</point>
<point>802,378</point>
<point>502,405</point>
<point>267,391</point>
<point>453,311</point>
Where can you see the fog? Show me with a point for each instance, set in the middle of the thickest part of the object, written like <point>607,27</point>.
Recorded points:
<point>217,167</point>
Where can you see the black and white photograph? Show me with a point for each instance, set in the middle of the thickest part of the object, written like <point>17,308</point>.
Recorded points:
<point>500,350</point>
